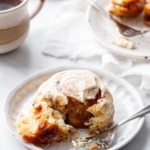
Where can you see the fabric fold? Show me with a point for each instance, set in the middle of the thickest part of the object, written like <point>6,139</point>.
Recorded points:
<point>70,36</point>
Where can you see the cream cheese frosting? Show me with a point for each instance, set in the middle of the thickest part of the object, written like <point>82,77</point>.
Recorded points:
<point>82,85</point>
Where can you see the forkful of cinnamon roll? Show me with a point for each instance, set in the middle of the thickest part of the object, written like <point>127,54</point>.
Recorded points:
<point>127,8</point>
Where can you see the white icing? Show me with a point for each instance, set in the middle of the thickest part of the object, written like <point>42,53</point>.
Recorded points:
<point>82,85</point>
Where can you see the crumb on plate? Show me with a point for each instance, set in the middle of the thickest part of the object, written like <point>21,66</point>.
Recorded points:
<point>124,42</point>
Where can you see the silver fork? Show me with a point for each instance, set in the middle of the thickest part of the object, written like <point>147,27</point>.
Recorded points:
<point>123,29</point>
<point>105,139</point>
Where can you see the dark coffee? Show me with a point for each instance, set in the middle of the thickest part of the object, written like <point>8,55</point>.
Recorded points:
<point>7,4</point>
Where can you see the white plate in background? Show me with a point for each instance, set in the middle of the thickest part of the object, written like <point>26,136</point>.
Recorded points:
<point>126,100</point>
<point>105,32</point>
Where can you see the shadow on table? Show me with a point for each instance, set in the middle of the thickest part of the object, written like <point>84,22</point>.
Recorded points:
<point>20,57</point>
<point>139,142</point>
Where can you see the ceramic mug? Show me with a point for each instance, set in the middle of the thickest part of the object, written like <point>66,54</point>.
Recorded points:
<point>14,25</point>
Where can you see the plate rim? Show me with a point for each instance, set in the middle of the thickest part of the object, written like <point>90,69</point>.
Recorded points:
<point>113,50</point>
<point>56,69</point>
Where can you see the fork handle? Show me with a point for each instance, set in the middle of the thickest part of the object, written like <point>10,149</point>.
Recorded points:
<point>140,113</point>
<point>100,9</point>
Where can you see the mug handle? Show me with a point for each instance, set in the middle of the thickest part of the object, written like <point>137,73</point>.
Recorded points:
<point>36,11</point>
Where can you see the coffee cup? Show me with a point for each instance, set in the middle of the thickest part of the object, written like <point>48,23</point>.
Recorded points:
<point>14,23</point>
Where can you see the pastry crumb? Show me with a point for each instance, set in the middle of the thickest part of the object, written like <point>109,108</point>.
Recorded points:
<point>124,42</point>
<point>93,146</point>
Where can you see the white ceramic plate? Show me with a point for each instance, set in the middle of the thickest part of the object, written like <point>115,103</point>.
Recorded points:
<point>105,31</point>
<point>126,100</point>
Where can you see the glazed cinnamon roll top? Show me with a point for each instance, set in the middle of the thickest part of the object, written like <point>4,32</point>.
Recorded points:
<point>82,85</point>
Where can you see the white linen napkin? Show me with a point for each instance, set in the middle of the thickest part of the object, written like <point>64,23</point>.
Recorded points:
<point>70,38</point>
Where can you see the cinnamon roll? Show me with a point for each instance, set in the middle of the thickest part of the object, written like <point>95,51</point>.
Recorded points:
<point>69,100</point>
<point>127,8</point>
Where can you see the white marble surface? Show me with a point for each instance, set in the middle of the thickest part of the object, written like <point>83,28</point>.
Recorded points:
<point>28,59</point>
